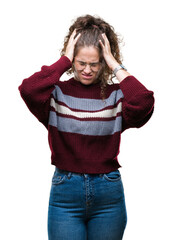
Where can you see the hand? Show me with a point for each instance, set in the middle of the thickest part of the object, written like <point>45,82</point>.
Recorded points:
<point>109,58</point>
<point>71,44</point>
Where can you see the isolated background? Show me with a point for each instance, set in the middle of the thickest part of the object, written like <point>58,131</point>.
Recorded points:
<point>32,34</point>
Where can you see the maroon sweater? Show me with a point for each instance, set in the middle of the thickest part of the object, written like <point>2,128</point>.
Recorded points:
<point>83,130</point>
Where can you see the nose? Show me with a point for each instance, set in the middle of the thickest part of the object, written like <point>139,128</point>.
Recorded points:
<point>87,69</point>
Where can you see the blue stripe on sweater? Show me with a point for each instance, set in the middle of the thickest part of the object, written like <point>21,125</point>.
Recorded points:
<point>85,103</point>
<point>93,128</point>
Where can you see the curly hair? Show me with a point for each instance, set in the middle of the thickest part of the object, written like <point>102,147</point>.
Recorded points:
<point>91,28</point>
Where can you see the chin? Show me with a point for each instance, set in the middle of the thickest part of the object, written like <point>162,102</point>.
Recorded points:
<point>86,82</point>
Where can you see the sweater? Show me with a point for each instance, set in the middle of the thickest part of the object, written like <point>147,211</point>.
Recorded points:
<point>83,130</point>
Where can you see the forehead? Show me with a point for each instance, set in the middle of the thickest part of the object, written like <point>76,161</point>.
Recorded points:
<point>88,54</point>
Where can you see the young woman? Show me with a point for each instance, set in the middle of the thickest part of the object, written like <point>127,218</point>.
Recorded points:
<point>85,117</point>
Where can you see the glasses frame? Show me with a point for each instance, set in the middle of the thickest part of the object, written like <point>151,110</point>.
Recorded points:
<point>81,65</point>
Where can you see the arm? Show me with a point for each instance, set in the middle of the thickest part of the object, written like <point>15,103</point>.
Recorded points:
<point>138,102</point>
<point>36,90</point>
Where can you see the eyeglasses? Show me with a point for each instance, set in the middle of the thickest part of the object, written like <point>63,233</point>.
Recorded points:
<point>80,65</point>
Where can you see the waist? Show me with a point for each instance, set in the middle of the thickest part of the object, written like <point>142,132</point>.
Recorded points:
<point>85,175</point>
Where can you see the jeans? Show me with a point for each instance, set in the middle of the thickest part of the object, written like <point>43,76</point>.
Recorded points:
<point>86,206</point>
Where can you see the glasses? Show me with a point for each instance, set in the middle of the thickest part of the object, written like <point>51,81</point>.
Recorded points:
<point>80,65</point>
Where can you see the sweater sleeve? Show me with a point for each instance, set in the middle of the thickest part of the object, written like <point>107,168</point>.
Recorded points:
<point>36,90</point>
<point>138,103</point>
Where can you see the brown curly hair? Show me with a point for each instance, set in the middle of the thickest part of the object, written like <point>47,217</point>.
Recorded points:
<point>91,28</point>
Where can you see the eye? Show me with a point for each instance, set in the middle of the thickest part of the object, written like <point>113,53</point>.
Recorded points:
<point>82,63</point>
<point>94,64</point>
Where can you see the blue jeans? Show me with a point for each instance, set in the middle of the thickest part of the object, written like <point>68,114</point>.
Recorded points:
<point>86,206</point>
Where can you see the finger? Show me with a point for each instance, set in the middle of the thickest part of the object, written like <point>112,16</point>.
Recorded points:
<point>72,36</point>
<point>105,39</point>
<point>101,43</point>
<point>74,33</point>
<point>77,37</point>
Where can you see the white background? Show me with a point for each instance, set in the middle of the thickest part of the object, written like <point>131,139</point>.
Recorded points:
<point>32,33</point>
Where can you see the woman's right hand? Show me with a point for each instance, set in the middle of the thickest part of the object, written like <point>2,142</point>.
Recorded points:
<point>71,44</point>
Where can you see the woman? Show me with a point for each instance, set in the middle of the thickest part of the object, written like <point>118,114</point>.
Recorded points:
<point>85,117</point>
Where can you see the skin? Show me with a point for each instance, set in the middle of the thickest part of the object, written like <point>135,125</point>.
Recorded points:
<point>89,55</point>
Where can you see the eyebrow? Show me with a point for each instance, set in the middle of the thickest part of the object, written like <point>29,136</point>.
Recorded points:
<point>85,62</point>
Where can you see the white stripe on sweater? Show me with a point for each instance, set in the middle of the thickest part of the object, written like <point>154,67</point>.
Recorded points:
<point>100,114</point>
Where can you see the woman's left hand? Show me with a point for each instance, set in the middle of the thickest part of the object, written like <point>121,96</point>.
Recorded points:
<point>109,58</point>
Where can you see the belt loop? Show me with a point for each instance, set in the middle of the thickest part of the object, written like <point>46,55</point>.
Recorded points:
<point>69,175</point>
<point>85,175</point>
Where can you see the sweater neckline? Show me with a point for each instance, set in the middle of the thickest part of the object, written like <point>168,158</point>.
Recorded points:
<point>79,84</point>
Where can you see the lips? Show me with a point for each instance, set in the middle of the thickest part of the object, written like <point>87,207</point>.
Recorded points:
<point>86,76</point>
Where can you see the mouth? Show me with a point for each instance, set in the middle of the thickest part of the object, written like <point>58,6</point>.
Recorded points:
<point>85,76</point>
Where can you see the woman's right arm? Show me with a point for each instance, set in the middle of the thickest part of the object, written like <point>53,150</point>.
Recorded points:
<point>36,90</point>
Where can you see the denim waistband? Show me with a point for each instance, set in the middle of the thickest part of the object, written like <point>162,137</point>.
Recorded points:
<point>68,173</point>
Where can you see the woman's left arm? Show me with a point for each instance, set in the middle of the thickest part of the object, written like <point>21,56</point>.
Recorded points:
<point>138,102</point>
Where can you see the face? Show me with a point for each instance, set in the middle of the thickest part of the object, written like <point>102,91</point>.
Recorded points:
<point>87,65</point>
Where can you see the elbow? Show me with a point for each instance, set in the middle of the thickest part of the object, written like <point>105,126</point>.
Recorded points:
<point>146,110</point>
<point>137,112</point>
<point>24,89</point>
<point>149,103</point>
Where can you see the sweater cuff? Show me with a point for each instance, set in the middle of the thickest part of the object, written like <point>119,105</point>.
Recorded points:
<point>130,86</point>
<point>61,66</point>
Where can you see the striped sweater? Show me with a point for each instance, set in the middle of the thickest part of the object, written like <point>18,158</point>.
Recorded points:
<point>83,130</point>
